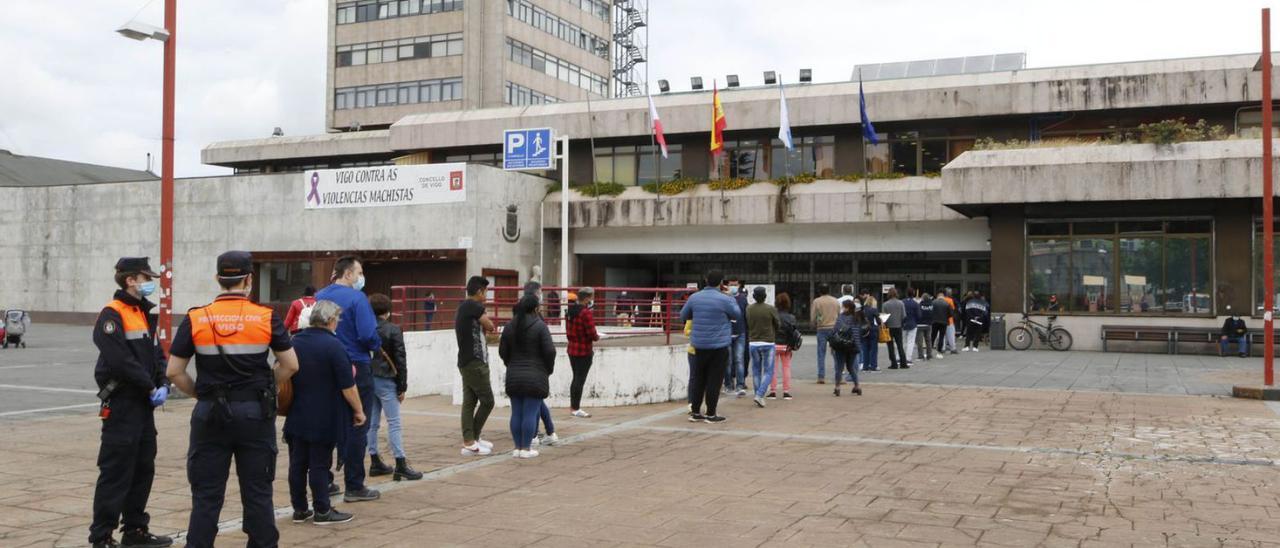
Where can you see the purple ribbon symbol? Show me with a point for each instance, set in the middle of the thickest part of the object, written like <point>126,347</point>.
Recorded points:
<point>315,188</point>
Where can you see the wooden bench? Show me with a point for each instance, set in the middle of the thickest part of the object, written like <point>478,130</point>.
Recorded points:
<point>1139,333</point>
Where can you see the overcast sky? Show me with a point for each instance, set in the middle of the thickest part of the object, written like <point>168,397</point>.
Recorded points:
<point>73,89</point>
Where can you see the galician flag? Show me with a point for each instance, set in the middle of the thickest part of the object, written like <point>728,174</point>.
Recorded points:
<point>657,127</point>
<point>717,122</point>
<point>784,120</point>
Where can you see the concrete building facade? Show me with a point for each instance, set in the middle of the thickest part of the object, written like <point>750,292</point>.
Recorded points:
<point>391,58</point>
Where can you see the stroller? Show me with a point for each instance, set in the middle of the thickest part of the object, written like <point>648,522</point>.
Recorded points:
<point>16,323</point>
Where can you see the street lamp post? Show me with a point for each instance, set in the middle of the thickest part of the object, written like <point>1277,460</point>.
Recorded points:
<point>140,31</point>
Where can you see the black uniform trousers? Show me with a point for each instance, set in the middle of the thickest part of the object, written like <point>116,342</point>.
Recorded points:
<point>126,467</point>
<point>356,447</point>
<point>249,437</point>
<point>708,372</point>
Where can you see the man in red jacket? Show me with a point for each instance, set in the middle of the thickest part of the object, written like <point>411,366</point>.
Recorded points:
<point>295,311</point>
<point>580,330</point>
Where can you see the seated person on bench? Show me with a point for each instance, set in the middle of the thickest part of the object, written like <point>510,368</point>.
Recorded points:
<point>1234,331</point>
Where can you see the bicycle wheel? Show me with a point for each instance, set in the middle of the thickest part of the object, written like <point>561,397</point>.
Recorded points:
<point>1060,339</point>
<point>1020,338</point>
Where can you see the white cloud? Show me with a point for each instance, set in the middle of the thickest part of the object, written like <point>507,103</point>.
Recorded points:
<point>78,91</point>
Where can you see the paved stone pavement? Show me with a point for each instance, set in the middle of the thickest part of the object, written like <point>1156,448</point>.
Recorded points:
<point>908,464</point>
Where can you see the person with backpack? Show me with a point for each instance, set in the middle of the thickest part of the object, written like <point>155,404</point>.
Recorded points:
<point>787,342</point>
<point>870,334</point>
<point>299,315</point>
<point>977,314</point>
<point>845,337</point>
<point>390,382</point>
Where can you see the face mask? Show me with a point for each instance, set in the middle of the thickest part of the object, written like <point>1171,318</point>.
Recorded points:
<point>147,288</point>
<point>733,290</point>
<point>359,285</point>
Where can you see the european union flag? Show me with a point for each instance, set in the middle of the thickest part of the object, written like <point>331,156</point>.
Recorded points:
<point>868,130</point>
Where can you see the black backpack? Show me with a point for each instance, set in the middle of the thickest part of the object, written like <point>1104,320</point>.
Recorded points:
<point>794,339</point>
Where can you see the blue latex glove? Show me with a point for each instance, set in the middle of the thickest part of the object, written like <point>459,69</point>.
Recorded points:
<point>159,395</point>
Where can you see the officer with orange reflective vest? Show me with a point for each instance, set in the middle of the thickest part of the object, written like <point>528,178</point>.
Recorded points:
<point>234,416</point>
<point>131,383</point>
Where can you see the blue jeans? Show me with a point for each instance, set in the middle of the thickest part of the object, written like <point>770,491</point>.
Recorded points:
<point>762,368</point>
<point>524,420</point>
<point>545,415</point>
<point>844,363</point>
<point>823,335</point>
<point>736,370</point>
<point>384,391</point>
<point>1242,341</point>
<point>870,351</point>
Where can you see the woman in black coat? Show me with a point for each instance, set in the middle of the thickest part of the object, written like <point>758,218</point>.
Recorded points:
<point>530,356</point>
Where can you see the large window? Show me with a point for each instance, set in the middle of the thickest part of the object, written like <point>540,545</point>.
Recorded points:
<point>910,153</point>
<point>520,95</point>
<point>762,161</point>
<point>422,47</point>
<point>373,10</point>
<point>552,66</point>
<point>1125,267</point>
<point>547,22</point>
<point>631,165</point>
<point>402,93</point>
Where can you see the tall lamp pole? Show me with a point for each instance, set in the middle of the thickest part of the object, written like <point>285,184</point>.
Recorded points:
<point>141,31</point>
<point>1268,215</point>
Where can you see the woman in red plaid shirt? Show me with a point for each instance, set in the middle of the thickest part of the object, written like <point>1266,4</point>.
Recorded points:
<point>580,330</point>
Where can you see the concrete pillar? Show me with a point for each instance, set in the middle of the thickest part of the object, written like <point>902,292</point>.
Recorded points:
<point>1008,259</point>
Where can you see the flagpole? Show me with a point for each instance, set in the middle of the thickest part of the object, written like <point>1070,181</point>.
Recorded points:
<point>591,138</point>
<point>866,197</point>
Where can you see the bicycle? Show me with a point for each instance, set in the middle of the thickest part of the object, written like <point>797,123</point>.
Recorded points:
<point>1055,336</point>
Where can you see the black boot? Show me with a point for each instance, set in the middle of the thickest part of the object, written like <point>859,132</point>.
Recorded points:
<point>377,467</point>
<point>404,472</point>
<point>144,539</point>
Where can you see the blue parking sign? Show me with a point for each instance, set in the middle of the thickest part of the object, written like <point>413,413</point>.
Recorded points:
<point>528,149</point>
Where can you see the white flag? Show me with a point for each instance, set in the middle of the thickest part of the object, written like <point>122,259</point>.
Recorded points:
<point>784,121</point>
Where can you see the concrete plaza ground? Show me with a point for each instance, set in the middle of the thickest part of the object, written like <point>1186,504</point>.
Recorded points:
<point>995,448</point>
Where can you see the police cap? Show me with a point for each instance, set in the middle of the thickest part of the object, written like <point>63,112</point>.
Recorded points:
<point>141,265</point>
<point>235,264</point>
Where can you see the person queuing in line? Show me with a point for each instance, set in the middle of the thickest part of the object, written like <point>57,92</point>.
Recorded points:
<point>580,331</point>
<point>550,438</point>
<point>390,382</point>
<point>871,335</point>
<point>1234,331</point>
<point>822,316</point>
<point>470,326</point>
<point>358,332</point>
<point>763,325</point>
<point>295,320</point>
<point>924,324</point>
<point>529,355</point>
<point>234,415</point>
<point>910,324</point>
<point>786,343</point>
<point>952,315</point>
<point>715,315</point>
<point>941,318</point>
<point>977,316</point>
<point>131,381</point>
<point>897,311</point>
<point>735,379</point>
<point>845,342</point>
<point>325,399</point>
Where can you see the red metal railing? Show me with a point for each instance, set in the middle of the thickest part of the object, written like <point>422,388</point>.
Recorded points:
<point>619,311</point>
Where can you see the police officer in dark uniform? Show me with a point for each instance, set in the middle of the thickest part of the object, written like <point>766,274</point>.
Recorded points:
<point>131,383</point>
<point>235,412</point>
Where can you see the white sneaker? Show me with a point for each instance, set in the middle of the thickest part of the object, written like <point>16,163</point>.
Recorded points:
<point>582,414</point>
<point>531,453</point>
<point>476,450</point>
<point>536,441</point>
<point>516,454</point>
<point>975,349</point>
<point>485,444</point>
<point>938,357</point>
<point>551,439</point>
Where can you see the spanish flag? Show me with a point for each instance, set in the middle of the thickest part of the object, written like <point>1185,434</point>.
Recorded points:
<point>717,122</point>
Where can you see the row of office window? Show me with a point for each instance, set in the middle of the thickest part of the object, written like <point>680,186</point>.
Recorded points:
<point>402,93</point>
<point>597,8</point>
<point>555,67</point>
<point>373,10</point>
<point>539,18</point>
<point>1130,267</point>
<point>295,168</point>
<point>637,165</point>
<point>387,51</point>
<point>519,95</point>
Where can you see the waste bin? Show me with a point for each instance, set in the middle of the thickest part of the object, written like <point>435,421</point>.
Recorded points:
<point>997,332</point>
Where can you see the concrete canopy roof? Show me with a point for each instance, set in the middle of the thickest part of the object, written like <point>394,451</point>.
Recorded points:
<point>1131,173</point>
<point>34,171</point>
<point>324,145</point>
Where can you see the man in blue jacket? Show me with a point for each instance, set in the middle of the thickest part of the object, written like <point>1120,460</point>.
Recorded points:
<point>358,331</point>
<point>716,319</point>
